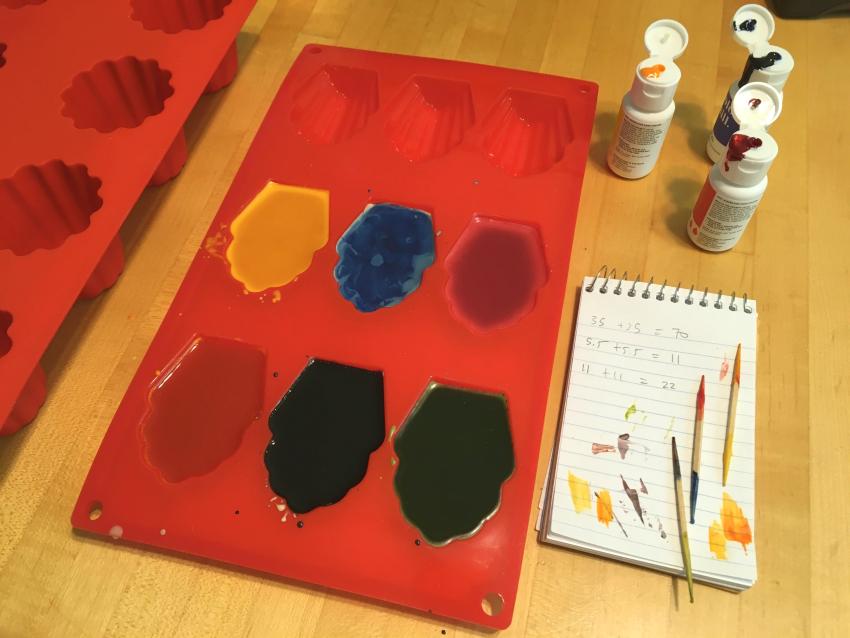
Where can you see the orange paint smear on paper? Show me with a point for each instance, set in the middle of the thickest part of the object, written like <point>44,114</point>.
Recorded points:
<point>580,493</point>
<point>736,527</point>
<point>598,448</point>
<point>653,71</point>
<point>716,540</point>
<point>604,510</point>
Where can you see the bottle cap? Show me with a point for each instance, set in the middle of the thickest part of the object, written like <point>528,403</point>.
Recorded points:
<point>756,105</point>
<point>777,73</point>
<point>657,77</point>
<point>748,156</point>
<point>752,24</point>
<point>665,38</point>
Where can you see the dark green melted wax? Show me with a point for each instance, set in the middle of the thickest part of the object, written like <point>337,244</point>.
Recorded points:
<point>454,452</point>
<point>323,431</point>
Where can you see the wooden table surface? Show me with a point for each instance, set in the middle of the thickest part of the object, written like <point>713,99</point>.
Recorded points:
<point>794,259</point>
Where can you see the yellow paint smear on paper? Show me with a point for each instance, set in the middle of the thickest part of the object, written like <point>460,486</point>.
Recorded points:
<point>275,236</point>
<point>736,527</point>
<point>716,540</point>
<point>580,492</point>
<point>604,510</point>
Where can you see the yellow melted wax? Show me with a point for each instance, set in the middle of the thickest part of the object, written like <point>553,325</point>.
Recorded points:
<point>580,492</point>
<point>275,236</point>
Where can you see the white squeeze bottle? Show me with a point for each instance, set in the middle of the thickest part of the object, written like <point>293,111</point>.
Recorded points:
<point>736,183</point>
<point>752,26</point>
<point>647,109</point>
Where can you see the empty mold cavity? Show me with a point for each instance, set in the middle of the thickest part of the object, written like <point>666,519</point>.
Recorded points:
<point>2,51</point>
<point>335,103</point>
<point>173,16</point>
<point>43,205</point>
<point>495,270</point>
<point>526,132</point>
<point>200,406</point>
<point>17,4</point>
<point>383,255</point>
<point>276,234</point>
<point>429,116</point>
<point>323,431</point>
<point>5,339</point>
<point>454,453</point>
<point>117,94</point>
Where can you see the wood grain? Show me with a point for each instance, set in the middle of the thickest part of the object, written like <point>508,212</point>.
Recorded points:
<point>793,259</point>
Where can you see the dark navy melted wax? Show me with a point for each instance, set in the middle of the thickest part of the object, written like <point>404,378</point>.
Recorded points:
<point>382,256</point>
<point>323,431</point>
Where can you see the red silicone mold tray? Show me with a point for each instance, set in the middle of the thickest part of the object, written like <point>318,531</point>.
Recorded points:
<point>94,97</point>
<point>453,139</point>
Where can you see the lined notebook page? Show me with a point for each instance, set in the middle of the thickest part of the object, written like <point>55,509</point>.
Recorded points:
<point>635,371</point>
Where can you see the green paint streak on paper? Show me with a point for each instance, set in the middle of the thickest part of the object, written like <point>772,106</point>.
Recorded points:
<point>630,411</point>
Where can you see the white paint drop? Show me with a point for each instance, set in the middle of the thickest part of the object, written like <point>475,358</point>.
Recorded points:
<point>116,532</point>
<point>162,532</point>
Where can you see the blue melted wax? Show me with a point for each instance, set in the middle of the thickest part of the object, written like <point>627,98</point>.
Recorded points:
<point>382,256</point>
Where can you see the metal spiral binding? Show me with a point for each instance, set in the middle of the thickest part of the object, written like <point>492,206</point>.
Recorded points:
<point>607,276</point>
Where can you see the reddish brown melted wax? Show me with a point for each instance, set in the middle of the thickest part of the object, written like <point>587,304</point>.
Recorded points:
<point>495,270</point>
<point>200,406</point>
<point>738,145</point>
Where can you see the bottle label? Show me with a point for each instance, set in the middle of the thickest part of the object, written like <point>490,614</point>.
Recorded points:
<point>635,147</point>
<point>717,222</point>
<point>725,125</point>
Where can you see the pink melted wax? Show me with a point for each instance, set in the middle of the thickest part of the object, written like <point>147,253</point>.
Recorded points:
<point>495,270</point>
<point>739,144</point>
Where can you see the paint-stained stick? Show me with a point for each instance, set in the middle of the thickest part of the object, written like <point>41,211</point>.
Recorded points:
<point>697,447</point>
<point>730,419</point>
<point>683,524</point>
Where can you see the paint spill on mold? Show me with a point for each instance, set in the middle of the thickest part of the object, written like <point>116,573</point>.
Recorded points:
<point>383,255</point>
<point>276,234</point>
<point>717,540</point>
<point>323,431</point>
<point>454,453</point>
<point>200,406</point>
<point>580,493</point>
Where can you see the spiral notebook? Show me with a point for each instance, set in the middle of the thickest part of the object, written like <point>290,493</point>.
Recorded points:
<point>638,354</point>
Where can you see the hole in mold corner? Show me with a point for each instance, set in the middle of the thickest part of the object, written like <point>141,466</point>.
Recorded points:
<point>43,205</point>
<point>526,132</point>
<point>492,604</point>
<point>335,103</point>
<point>176,15</point>
<point>17,4</point>
<point>5,339</point>
<point>117,94</point>
<point>429,117</point>
<point>95,510</point>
